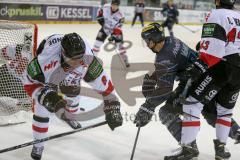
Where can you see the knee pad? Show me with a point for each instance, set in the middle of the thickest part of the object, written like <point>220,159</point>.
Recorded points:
<point>224,112</point>
<point>40,110</point>
<point>192,111</point>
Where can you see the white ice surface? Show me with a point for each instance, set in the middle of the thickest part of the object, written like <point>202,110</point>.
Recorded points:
<point>101,143</point>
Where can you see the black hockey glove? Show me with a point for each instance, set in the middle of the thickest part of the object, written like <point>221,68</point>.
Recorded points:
<point>149,85</point>
<point>112,114</point>
<point>196,69</point>
<point>144,114</point>
<point>50,99</point>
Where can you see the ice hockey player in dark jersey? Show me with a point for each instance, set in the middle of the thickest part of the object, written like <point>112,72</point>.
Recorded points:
<point>171,12</point>
<point>214,75</point>
<point>172,59</point>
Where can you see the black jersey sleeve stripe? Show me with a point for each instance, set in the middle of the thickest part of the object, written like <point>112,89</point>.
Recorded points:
<point>214,30</point>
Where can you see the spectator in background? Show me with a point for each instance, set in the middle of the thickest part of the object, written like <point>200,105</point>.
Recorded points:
<point>139,10</point>
<point>171,12</point>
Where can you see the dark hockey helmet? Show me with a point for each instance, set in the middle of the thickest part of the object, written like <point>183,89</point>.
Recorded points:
<point>228,2</point>
<point>73,46</point>
<point>116,2</point>
<point>154,32</point>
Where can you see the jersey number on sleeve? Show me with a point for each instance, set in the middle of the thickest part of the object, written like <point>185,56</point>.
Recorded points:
<point>233,35</point>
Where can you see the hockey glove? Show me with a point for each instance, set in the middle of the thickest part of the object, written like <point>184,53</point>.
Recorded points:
<point>149,85</point>
<point>196,69</point>
<point>50,99</point>
<point>112,114</point>
<point>144,114</point>
<point>115,38</point>
<point>116,35</point>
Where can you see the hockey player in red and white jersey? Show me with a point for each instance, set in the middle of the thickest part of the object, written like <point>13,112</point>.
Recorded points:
<point>214,75</point>
<point>62,62</point>
<point>111,19</point>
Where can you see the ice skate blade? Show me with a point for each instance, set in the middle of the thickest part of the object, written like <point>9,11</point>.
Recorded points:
<point>194,158</point>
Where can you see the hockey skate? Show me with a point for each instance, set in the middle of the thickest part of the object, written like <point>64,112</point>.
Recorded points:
<point>220,152</point>
<point>237,137</point>
<point>126,62</point>
<point>188,152</point>
<point>72,123</point>
<point>36,153</point>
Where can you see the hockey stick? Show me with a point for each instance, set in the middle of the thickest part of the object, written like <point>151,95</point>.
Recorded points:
<point>193,31</point>
<point>121,60</point>
<point>135,143</point>
<point>183,96</point>
<point>51,137</point>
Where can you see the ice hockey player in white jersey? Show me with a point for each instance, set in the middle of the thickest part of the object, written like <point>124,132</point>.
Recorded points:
<point>111,19</point>
<point>62,62</point>
<point>215,75</point>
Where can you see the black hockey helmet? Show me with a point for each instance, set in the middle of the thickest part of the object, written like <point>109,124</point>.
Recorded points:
<point>73,46</point>
<point>116,2</point>
<point>228,2</point>
<point>154,32</point>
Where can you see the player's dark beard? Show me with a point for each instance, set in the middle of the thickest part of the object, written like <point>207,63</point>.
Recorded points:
<point>154,48</point>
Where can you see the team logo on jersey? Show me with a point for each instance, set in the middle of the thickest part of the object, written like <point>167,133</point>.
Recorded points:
<point>234,98</point>
<point>203,85</point>
<point>208,30</point>
<point>211,94</point>
<point>50,65</point>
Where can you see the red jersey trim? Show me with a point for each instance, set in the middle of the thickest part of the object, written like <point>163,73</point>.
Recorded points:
<point>31,88</point>
<point>223,122</point>
<point>210,60</point>
<point>191,124</point>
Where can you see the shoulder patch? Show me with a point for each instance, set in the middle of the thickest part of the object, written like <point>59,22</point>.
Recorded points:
<point>94,70</point>
<point>214,30</point>
<point>208,30</point>
<point>34,71</point>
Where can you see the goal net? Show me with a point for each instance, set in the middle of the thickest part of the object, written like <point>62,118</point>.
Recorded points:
<point>18,41</point>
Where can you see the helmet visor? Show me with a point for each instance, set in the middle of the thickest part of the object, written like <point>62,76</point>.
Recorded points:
<point>66,55</point>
